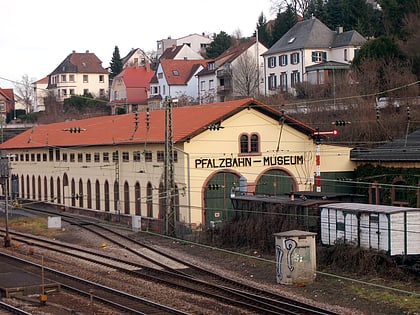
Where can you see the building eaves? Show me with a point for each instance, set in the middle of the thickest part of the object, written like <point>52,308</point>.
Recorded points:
<point>349,38</point>
<point>403,149</point>
<point>311,33</point>
<point>188,121</point>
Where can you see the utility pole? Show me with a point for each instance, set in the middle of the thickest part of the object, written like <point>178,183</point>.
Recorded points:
<point>169,169</point>
<point>4,178</point>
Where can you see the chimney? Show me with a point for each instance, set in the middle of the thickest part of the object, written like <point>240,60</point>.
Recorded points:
<point>87,51</point>
<point>339,30</point>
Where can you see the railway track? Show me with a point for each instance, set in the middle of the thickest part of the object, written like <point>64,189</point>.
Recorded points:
<point>184,276</point>
<point>6,308</point>
<point>117,299</point>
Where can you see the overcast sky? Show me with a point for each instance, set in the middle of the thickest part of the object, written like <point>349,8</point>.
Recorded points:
<point>36,36</point>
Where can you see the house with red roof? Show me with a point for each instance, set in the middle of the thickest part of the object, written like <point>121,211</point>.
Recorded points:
<point>130,88</point>
<point>177,79</point>
<point>237,72</point>
<point>181,52</point>
<point>7,102</point>
<point>79,74</point>
<point>117,166</point>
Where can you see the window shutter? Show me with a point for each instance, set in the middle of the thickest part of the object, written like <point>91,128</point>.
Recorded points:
<point>297,58</point>
<point>285,60</point>
<point>314,56</point>
<point>324,56</point>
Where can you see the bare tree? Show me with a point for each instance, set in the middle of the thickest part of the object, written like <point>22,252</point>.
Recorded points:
<point>299,6</point>
<point>245,75</point>
<point>25,91</point>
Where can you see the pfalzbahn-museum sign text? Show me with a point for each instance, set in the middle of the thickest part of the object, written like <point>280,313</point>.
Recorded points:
<point>249,161</point>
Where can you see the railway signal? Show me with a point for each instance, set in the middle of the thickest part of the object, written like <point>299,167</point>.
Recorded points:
<point>317,134</point>
<point>341,123</point>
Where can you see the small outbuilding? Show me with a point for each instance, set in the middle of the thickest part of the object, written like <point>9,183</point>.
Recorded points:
<point>395,230</point>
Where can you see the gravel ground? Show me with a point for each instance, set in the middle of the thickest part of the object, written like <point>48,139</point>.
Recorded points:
<point>341,295</point>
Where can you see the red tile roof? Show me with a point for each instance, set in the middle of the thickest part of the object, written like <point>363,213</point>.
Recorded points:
<point>111,130</point>
<point>7,93</point>
<point>179,72</point>
<point>81,63</point>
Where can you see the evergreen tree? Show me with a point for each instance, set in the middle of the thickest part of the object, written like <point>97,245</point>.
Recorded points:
<point>316,8</point>
<point>264,36</point>
<point>221,42</point>
<point>116,63</point>
<point>334,14</point>
<point>284,22</point>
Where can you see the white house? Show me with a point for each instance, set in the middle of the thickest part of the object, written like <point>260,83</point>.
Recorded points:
<point>238,71</point>
<point>79,74</point>
<point>176,78</point>
<point>307,53</point>
<point>197,42</point>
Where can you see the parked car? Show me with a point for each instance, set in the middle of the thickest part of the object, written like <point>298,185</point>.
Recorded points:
<point>384,102</point>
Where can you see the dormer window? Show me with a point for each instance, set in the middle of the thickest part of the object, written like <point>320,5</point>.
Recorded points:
<point>175,72</point>
<point>210,66</point>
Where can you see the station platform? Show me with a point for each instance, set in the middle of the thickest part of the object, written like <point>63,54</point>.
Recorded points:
<point>16,282</point>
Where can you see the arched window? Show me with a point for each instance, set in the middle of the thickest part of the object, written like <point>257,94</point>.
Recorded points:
<point>244,144</point>
<point>255,144</point>
<point>89,194</point>
<point>137,198</point>
<point>33,187</point>
<point>106,190</point>
<point>249,144</point>
<point>58,190</point>
<point>28,187</point>
<point>52,189</point>
<point>39,188</point>
<point>81,197</point>
<point>126,198</point>
<point>22,186</point>
<point>45,188</point>
<point>149,200</point>
<point>73,192</point>
<point>162,201</point>
<point>116,196</point>
<point>98,195</point>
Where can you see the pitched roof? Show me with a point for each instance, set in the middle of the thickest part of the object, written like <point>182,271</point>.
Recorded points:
<point>80,63</point>
<point>171,52</point>
<point>179,72</point>
<point>229,55</point>
<point>111,130</point>
<point>403,149</point>
<point>7,94</point>
<point>233,52</point>
<point>349,38</point>
<point>311,33</point>
<point>136,76</point>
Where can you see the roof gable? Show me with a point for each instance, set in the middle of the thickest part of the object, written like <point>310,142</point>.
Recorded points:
<point>111,130</point>
<point>311,33</point>
<point>179,72</point>
<point>136,76</point>
<point>80,63</point>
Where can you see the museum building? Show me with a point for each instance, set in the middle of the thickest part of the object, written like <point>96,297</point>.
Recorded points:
<point>117,165</point>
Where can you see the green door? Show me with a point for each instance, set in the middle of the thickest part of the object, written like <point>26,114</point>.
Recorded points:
<point>274,183</point>
<point>217,205</point>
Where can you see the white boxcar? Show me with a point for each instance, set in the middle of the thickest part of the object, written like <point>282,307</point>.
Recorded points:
<point>395,230</point>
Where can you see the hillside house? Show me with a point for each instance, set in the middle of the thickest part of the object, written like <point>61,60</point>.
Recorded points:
<point>79,74</point>
<point>309,52</point>
<point>237,72</point>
